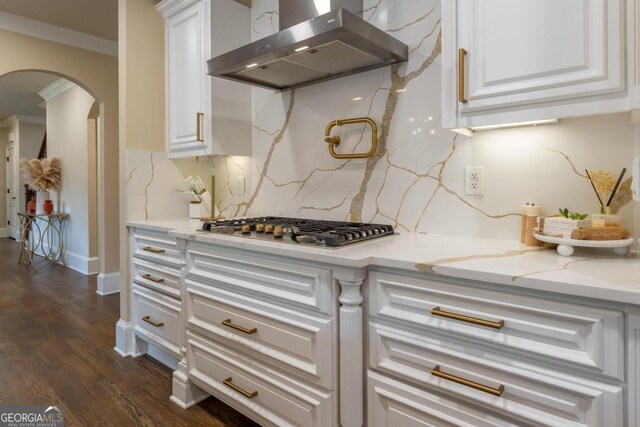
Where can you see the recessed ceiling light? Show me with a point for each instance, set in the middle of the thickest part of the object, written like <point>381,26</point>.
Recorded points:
<point>300,49</point>
<point>433,131</point>
<point>252,65</point>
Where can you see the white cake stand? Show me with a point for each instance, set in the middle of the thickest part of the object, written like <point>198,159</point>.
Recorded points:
<point>565,246</point>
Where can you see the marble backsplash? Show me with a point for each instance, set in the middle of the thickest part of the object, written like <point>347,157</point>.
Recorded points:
<point>416,178</point>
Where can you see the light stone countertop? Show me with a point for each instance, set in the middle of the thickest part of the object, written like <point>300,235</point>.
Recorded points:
<point>588,273</point>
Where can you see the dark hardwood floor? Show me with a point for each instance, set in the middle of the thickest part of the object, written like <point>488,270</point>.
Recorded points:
<point>56,347</point>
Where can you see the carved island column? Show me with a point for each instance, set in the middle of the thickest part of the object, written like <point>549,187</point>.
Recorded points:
<point>351,353</point>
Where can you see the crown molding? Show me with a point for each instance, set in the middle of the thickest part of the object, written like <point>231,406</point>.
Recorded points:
<point>55,89</point>
<point>9,121</point>
<point>35,120</point>
<point>54,33</point>
<point>168,8</point>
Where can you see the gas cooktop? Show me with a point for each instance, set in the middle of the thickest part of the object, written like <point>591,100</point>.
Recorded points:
<point>299,230</point>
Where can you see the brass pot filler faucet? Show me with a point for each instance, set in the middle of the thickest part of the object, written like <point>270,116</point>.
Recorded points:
<point>334,141</point>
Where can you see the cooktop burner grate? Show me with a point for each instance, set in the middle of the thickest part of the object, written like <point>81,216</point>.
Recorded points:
<point>299,230</point>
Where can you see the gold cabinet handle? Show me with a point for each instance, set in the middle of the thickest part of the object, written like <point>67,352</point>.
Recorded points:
<point>153,322</point>
<point>461,55</point>
<point>153,278</point>
<point>199,117</point>
<point>229,383</point>
<point>436,372</point>
<point>239,328</point>
<point>491,324</point>
<point>152,249</point>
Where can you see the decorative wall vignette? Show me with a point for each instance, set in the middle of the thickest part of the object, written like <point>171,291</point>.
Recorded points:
<point>415,179</point>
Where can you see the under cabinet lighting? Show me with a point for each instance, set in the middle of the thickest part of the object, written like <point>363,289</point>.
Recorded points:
<point>471,130</point>
<point>252,65</point>
<point>516,125</point>
<point>357,98</point>
<point>300,49</point>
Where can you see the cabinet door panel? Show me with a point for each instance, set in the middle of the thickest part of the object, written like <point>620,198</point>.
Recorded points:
<point>188,51</point>
<point>524,52</point>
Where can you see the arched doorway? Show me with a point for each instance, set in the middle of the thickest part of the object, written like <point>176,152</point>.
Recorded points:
<point>98,75</point>
<point>71,130</point>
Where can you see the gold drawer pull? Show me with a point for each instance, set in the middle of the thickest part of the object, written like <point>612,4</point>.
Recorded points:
<point>239,328</point>
<point>153,279</point>
<point>152,322</point>
<point>154,250</point>
<point>496,325</point>
<point>228,382</point>
<point>494,391</point>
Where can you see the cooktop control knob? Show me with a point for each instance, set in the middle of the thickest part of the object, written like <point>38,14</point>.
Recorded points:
<point>259,228</point>
<point>277,232</point>
<point>268,228</point>
<point>246,229</point>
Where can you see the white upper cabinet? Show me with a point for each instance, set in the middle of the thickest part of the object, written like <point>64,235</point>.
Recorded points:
<point>509,61</point>
<point>197,125</point>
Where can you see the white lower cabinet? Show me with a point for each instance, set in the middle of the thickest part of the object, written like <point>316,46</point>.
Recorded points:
<point>530,393</point>
<point>296,342</point>
<point>395,404</point>
<point>156,318</point>
<point>271,397</point>
<point>507,358</point>
<point>288,343</point>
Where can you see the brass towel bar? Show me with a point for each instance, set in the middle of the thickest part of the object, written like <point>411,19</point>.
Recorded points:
<point>334,141</point>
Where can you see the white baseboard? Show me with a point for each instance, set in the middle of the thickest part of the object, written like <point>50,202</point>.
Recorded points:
<point>124,338</point>
<point>77,262</point>
<point>82,264</point>
<point>108,283</point>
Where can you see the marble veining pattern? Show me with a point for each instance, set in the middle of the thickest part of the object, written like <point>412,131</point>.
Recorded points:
<point>416,178</point>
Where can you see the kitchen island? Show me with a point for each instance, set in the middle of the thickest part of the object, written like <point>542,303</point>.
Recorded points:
<point>428,327</point>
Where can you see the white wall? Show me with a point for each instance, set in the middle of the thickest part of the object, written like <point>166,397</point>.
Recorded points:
<point>67,138</point>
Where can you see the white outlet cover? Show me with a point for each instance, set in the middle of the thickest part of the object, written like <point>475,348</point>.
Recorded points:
<point>241,186</point>
<point>474,180</point>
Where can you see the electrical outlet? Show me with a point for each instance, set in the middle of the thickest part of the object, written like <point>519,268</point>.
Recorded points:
<point>474,180</point>
<point>241,186</point>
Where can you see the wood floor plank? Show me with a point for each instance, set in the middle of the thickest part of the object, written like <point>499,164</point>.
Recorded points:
<point>56,347</point>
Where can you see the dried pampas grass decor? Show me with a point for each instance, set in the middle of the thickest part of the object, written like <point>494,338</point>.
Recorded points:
<point>42,175</point>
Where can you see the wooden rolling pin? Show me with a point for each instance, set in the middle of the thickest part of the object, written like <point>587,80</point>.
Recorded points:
<point>600,233</point>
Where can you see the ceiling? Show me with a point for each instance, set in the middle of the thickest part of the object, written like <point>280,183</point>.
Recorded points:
<point>96,17</point>
<point>19,93</point>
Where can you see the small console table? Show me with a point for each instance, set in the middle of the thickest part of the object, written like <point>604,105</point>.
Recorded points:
<point>43,232</point>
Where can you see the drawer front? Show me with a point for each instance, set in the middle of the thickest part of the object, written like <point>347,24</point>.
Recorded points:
<point>156,246</point>
<point>300,343</point>
<point>156,276</point>
<point>156,317</point>
<point>588,337</point>
<point>240,381</point>
<point>394,404</point>
<point>534,394</point>
<point>284,281</point>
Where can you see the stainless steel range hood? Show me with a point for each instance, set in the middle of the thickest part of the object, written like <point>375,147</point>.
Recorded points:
<point>311,48</point>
